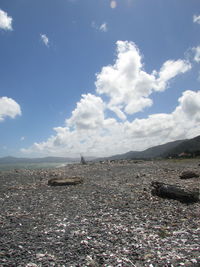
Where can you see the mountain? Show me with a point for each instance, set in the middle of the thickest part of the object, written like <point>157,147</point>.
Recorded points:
<point>13,160</point>
<point>166,150</point>
<point>152,152</point>
<point>188,146</point>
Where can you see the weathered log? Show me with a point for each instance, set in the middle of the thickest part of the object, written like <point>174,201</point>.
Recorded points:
<point>83,161</point>
<point>65,181</point>
<point>175,192</point>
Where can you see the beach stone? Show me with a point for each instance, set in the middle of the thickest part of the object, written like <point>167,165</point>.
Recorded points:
<point>188,175</point>
<point>90,224</point>
<point>31,264</point>
<point>65,181</point>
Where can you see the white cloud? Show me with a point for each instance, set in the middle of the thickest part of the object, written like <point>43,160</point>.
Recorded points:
<point>44,39</point>
<point>113,4</point>
<point>197,54</point>
<point>118,112</point>
<point>171,69</point>
<point>128,85</point>
<point>179,124</point>
<point>103,27</point>
<point>196,19</point>
<point>5,21</point>
<point>112,137</point>
<point>190,104</point>
<point>8,108</point>
<point>89,113</point>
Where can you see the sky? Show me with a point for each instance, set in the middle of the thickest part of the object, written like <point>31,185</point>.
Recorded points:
<point>97,77</point>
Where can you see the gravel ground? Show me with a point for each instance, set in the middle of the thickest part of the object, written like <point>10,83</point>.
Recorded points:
<point>110,220</point>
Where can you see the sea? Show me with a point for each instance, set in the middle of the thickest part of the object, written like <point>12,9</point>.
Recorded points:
<point>31,166</point>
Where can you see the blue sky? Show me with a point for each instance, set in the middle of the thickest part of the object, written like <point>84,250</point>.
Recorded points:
<point>97,77</point>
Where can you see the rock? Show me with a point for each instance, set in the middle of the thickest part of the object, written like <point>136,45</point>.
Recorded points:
<point>188,175</point>
<point>148,256</point>
<point>31,264</point>
<point>174,192</point>
<point>91,262</point>
<point>65,181</point>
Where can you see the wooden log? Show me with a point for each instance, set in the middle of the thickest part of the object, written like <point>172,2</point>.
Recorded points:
<point>188,175</point>
<point>175,192</point>
<point>65,181</point>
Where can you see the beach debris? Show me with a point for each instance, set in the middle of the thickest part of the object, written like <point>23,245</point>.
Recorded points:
<point>83,161</point>
<point>174,192</point>
<point>188,175</point>
<point>65,181</point>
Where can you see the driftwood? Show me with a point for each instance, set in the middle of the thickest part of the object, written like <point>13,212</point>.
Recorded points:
<point>188,175</point>
<point>83,161</point>
<point>175,192</point>
<point>65,181</point>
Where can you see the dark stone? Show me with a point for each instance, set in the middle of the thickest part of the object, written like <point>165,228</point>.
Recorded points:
<point>188,175</point>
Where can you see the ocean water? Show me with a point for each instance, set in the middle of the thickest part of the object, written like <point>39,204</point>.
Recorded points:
<point>31,166</point>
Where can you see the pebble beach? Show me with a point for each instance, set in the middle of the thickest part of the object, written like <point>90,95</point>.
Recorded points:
<point>111,219</point>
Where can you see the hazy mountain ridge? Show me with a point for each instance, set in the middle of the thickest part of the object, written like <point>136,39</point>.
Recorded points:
<point>13,160</point>
<point>166,150</point>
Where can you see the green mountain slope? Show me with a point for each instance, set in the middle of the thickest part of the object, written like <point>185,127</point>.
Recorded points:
<point>169,149</point>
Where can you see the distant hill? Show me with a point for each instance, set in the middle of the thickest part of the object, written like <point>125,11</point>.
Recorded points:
<point>166,150</point>
<point>14,160</point>
<point>187,146</point>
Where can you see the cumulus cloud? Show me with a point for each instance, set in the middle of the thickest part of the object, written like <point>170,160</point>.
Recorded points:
<point>116,137</point>
<point>196,19</point>
<point>196,54</point>
<point>8,108</point>
<point>190,104</point>
<point>180,123</point>
<point>44,39</point>
<point>89,113</point>
<point>5,21</point>
<point>128,85</point>
<point>169,70</point>
<point>91,129</point>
